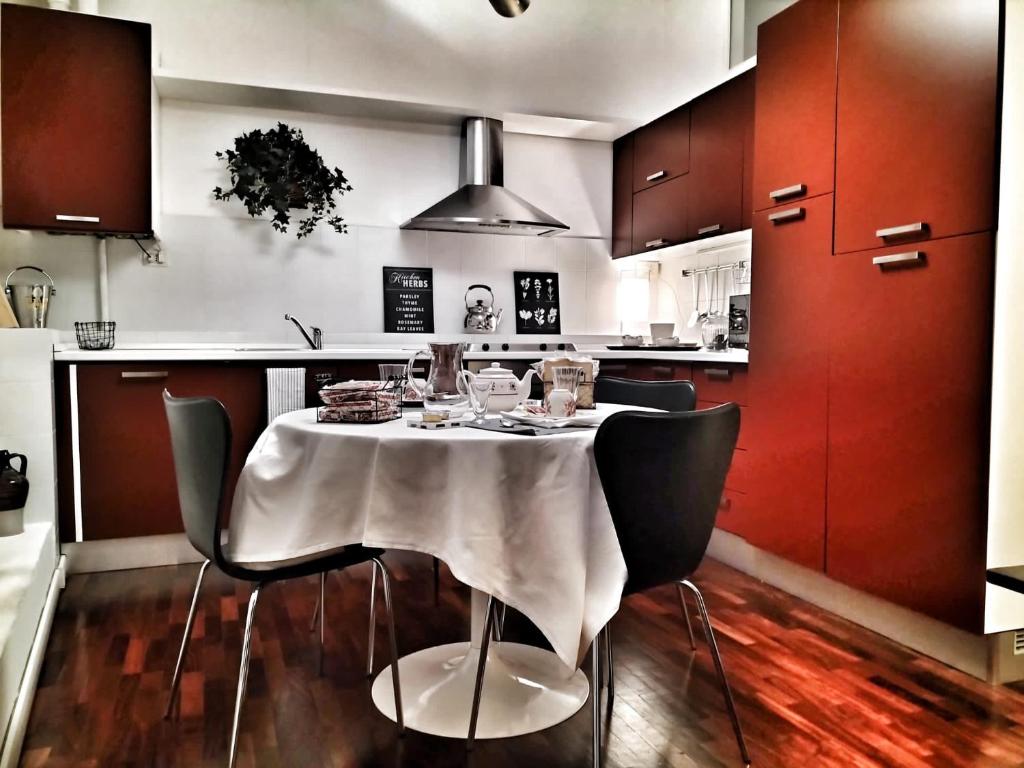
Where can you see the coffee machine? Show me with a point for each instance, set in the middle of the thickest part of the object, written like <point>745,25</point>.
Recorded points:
<point>739,321</point>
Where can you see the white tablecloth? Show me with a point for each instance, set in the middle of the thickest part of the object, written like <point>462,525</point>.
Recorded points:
<point>520,518</point>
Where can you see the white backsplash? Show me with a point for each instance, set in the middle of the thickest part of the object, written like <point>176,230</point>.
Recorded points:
<point>672,297</point>
<point>235,276</point>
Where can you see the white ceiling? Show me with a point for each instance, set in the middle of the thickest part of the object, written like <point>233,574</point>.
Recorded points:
<point>616,61</point>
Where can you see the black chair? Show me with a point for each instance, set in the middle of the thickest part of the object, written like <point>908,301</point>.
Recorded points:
<point>201,443</point>
<point>663,475</point>
<point>672,396</point>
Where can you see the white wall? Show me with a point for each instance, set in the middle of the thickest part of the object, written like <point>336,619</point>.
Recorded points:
<point>1005,610</point>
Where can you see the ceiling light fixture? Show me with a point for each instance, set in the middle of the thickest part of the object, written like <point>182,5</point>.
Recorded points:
<point>510,8</point>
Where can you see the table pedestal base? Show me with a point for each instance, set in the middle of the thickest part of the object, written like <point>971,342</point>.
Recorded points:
<point>525,690</point>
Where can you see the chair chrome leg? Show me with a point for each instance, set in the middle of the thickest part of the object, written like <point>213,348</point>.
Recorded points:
<point>385,578</point>
<point>322,611</point>
<point>243,673</point>
<point>595,694</point>
<point>316,608</point>
<point>686,616</point>
<point>179,668</point>
<point>729,703</point>
<point>480,667</point>
<point>609,654</point>
<point>373,618</point>
<point>499,620</point>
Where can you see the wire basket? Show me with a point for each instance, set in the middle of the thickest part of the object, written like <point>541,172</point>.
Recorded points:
<point>95,335</point>
<point>361,402</point>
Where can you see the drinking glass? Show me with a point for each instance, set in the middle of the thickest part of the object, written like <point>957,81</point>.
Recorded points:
<point>479,394</point>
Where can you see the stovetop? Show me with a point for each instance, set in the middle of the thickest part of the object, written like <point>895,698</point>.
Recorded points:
<point>494,346</point>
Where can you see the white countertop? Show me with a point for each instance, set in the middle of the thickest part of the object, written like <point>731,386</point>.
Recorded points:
<point>279,352</point>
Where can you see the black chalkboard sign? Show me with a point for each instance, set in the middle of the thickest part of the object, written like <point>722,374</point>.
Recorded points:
<point>408,300</point>
<point>537,309</point>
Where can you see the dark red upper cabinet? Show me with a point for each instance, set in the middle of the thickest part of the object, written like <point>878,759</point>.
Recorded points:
<point>789,381</point>
<point>75,103</point>
<point>660,215</point>
<point>662,149</point>
<point>717,132</point>
<point>622,197</point>
<point>795,115</point>
<point>917,129</point>
<point>908,423</point>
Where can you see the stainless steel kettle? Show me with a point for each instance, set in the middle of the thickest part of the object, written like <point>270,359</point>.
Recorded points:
<point>481,318</point>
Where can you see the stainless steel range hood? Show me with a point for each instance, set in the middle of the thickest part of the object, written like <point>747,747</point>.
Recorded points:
<point>481,203</point>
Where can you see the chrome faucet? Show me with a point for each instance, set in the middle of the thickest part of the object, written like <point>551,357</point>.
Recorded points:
<point>317,341</point>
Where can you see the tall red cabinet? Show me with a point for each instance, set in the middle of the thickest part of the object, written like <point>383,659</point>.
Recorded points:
<point>917,120</point>
<point>795,121</point>
<point>909,389</point>
<point>789,380</point>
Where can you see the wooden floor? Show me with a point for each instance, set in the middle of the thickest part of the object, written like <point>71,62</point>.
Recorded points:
<point>812,689</point>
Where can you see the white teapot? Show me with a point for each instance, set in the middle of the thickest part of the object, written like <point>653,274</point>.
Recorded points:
<point>506,390</point>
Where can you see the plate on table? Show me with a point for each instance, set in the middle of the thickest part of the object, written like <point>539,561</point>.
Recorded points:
<point>523,416</point>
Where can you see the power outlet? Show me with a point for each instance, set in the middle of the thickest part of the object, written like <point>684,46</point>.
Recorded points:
<point>152,254</point>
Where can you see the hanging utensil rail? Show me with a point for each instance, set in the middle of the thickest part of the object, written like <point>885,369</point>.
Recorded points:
<point>735,265</point>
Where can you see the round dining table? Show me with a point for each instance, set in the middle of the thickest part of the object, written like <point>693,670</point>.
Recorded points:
<point>520,518</point>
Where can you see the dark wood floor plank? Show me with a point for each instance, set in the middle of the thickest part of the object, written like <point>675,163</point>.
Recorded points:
<point>811,688</point>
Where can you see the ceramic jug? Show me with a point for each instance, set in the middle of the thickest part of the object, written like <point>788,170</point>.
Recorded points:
<point>13,492</point>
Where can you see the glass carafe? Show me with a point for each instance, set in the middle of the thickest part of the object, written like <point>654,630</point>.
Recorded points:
<point>444,389</point>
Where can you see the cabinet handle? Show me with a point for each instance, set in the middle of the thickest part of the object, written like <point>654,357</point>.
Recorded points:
<point>657,175</point>
<point>793,191</point>
<point>656,243</point>
<point>85,219</point>
<point>790,214</point>
<point>911,257</point>
<point>709,229</point>
<point>143,374</point>
<point>905,229</point>
<point>718,374</point>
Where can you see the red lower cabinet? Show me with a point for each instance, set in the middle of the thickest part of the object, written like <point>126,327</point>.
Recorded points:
<point>789,380</point>
<point>128,486</point>
<point>733,512</point>
<point>908,414</point>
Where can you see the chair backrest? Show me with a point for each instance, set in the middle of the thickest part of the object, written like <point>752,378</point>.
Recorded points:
<point>201,443</point>
<point>663,395</point>
<point>663,475</point>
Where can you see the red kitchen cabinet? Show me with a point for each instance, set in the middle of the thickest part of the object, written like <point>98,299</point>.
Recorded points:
<point>747,211</point>
<point>75,124</point>
<point>738,478</point>
<point>789,354</point>
<point>622,197</point>
<point>918,125</point>
<point>717,134</point>
<point>733,512</point>
<point>662,149</point>
<point>721,382</point>
<point>660,215</point>
<point>795,114</point>
<point>908,415</point>
<point>128,486</point>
